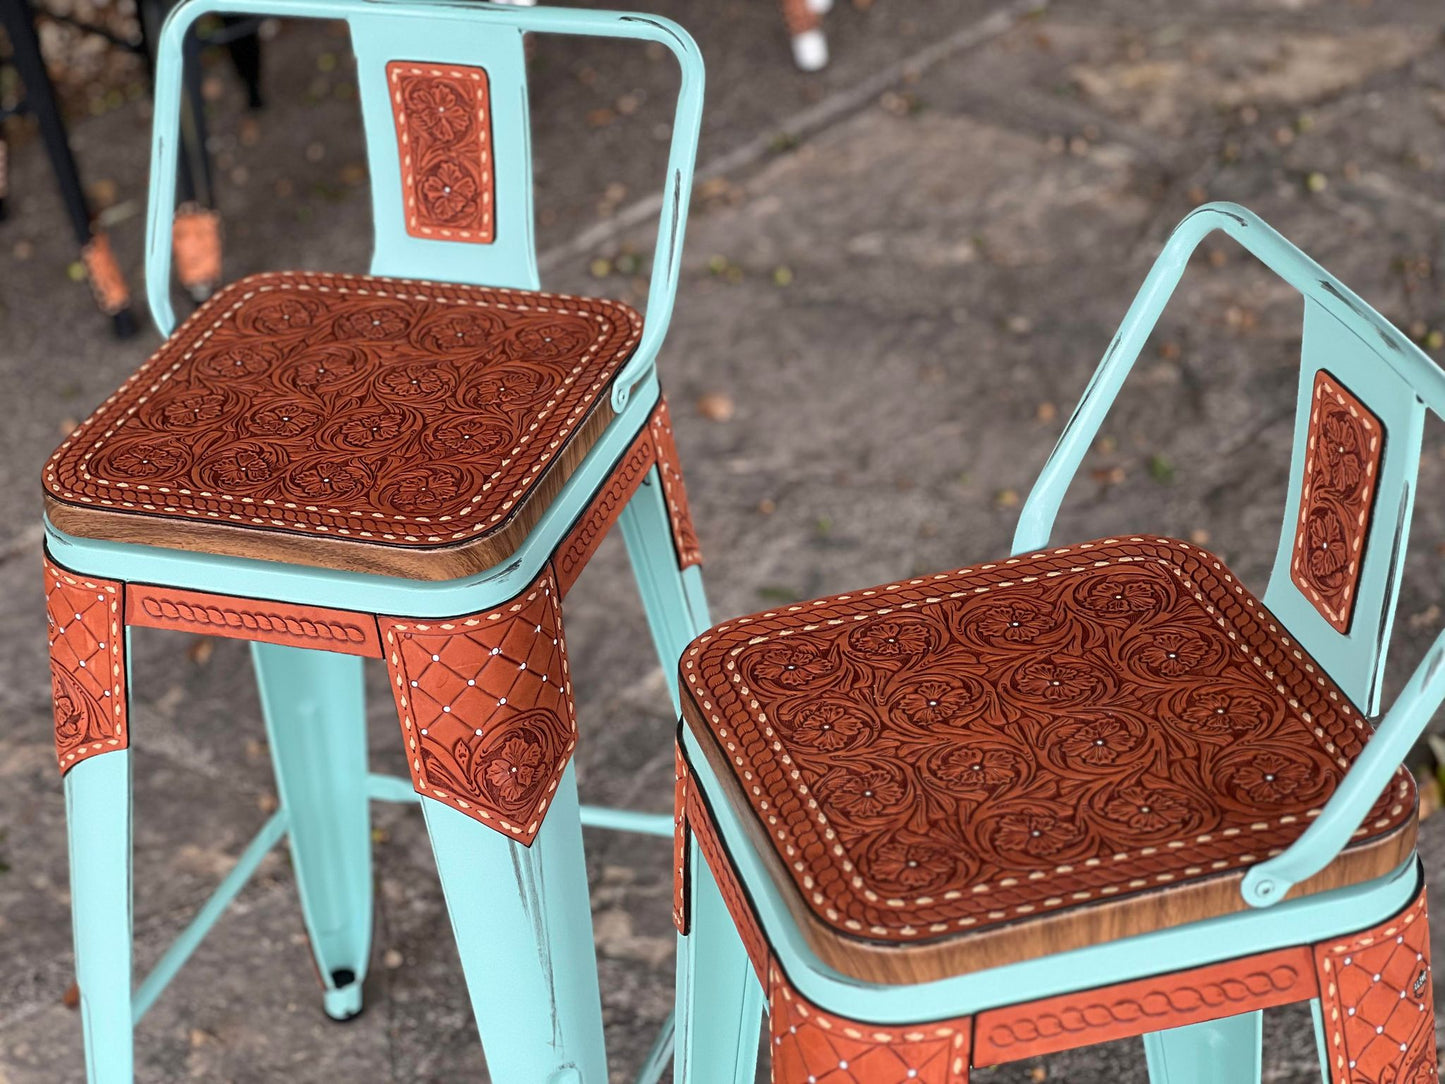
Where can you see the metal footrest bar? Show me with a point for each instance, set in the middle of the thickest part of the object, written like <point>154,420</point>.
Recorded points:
<point>181,948</point>
<point>656,1062</point>
<point>394,788</point>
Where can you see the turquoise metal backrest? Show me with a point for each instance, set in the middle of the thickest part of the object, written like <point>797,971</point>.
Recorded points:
<point>1395,382</point>
<point>428,34</point>
<point>1365,355</point>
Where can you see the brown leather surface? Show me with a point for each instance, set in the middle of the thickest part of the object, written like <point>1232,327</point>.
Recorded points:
<point>681,874</point>
<point>1107,735</point>
<point>684,537</point>
<point>1379,1006</point>
<point>301,415</point>
<point>809,1045</point>
<point>196,244</point>
<point>589,530</point>
<point>290,624</point>
<point>486,707</point>
<point>1342,465</point>
<point>1135,1008</point>
<point>106,281</point>
<point>702,833</point>
<point>444,142</point>
<point>85,622</point>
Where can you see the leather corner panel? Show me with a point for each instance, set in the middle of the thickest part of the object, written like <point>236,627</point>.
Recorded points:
<point>486,708</point>
<point>808,1044</point>
<point>444,142</point>
<point>1377,993</point>
<point>1341,472</point>
<point>86,632</point>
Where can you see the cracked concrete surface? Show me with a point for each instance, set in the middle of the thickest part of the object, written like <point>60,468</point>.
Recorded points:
<point>901,308</point>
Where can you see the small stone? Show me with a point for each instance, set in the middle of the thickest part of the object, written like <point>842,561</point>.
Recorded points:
<point>766,507</point>
<point>391,959</point>
<point>1045,412</point>
<point>1006,498</point>
<point>1317,182</point>
<point>266,802</point>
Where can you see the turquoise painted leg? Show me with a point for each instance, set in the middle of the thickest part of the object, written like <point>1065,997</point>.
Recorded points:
<point>523,927</point>
<point>1322,1046</point>
<point>1226,1051</point>
<point>316,725</point>
<point>673,597</point>
<point>719,1000</point>
<point>98,824</point>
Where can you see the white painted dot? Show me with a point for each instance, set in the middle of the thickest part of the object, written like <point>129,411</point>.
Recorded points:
<point>447,708</point>
<point>471,681</point>
<point>436,658</point>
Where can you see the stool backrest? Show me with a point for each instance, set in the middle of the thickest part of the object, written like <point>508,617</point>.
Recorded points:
<point>1363,392</point>
<point>443,89</point>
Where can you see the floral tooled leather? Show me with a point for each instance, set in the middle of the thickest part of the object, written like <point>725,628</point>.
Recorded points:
<point>1144,1005</point>
<point>444,137</point>
<point>683,536</point>
<point>1342,462</point>
<point>957,752</point>
<point>486,708</point>
<point>270,622</point>
<point>383,410</point>
<point>1376,991</point>
<point>86,624</point>
<point>810,1046</point>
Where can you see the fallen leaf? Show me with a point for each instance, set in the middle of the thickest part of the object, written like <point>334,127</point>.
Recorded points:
<point>71,998</point>
<point>766,507</point>
<point>201,649</point>
<point>716,406</point>
<point>1006,498</point>
<point>1045,412</point>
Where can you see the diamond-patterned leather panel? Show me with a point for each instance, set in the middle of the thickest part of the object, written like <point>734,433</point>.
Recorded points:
<point>1378,1000</point>
<point>1341,471</point>
<point>486,707</point>
<point>813,1047</point>
<point>85,622</point>
<point>390,411</point>
<point>961,751</point>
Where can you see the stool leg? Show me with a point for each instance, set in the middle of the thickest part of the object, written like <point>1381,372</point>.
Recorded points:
<point>719,998</point>
<point>98,826</point>
<point>523,928</point>
<point>672,596</point>
<point>810,47</point>
<point>316,725</point>
<point>1226,1051</point>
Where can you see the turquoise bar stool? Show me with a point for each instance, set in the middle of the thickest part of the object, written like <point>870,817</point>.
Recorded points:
<point>1086,792</point>
<point>412,465</point>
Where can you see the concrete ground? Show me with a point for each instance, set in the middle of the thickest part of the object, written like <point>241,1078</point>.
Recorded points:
<point>898,277</point>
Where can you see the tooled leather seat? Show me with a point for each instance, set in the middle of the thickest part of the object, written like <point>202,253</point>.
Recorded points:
<point>353,422</point>
<point>958,771</point>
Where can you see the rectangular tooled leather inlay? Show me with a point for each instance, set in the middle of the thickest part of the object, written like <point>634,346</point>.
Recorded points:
<point>444,142</point>
<point>1342,464</point>
<point>253,619</point>
<point>1133,1008</point>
